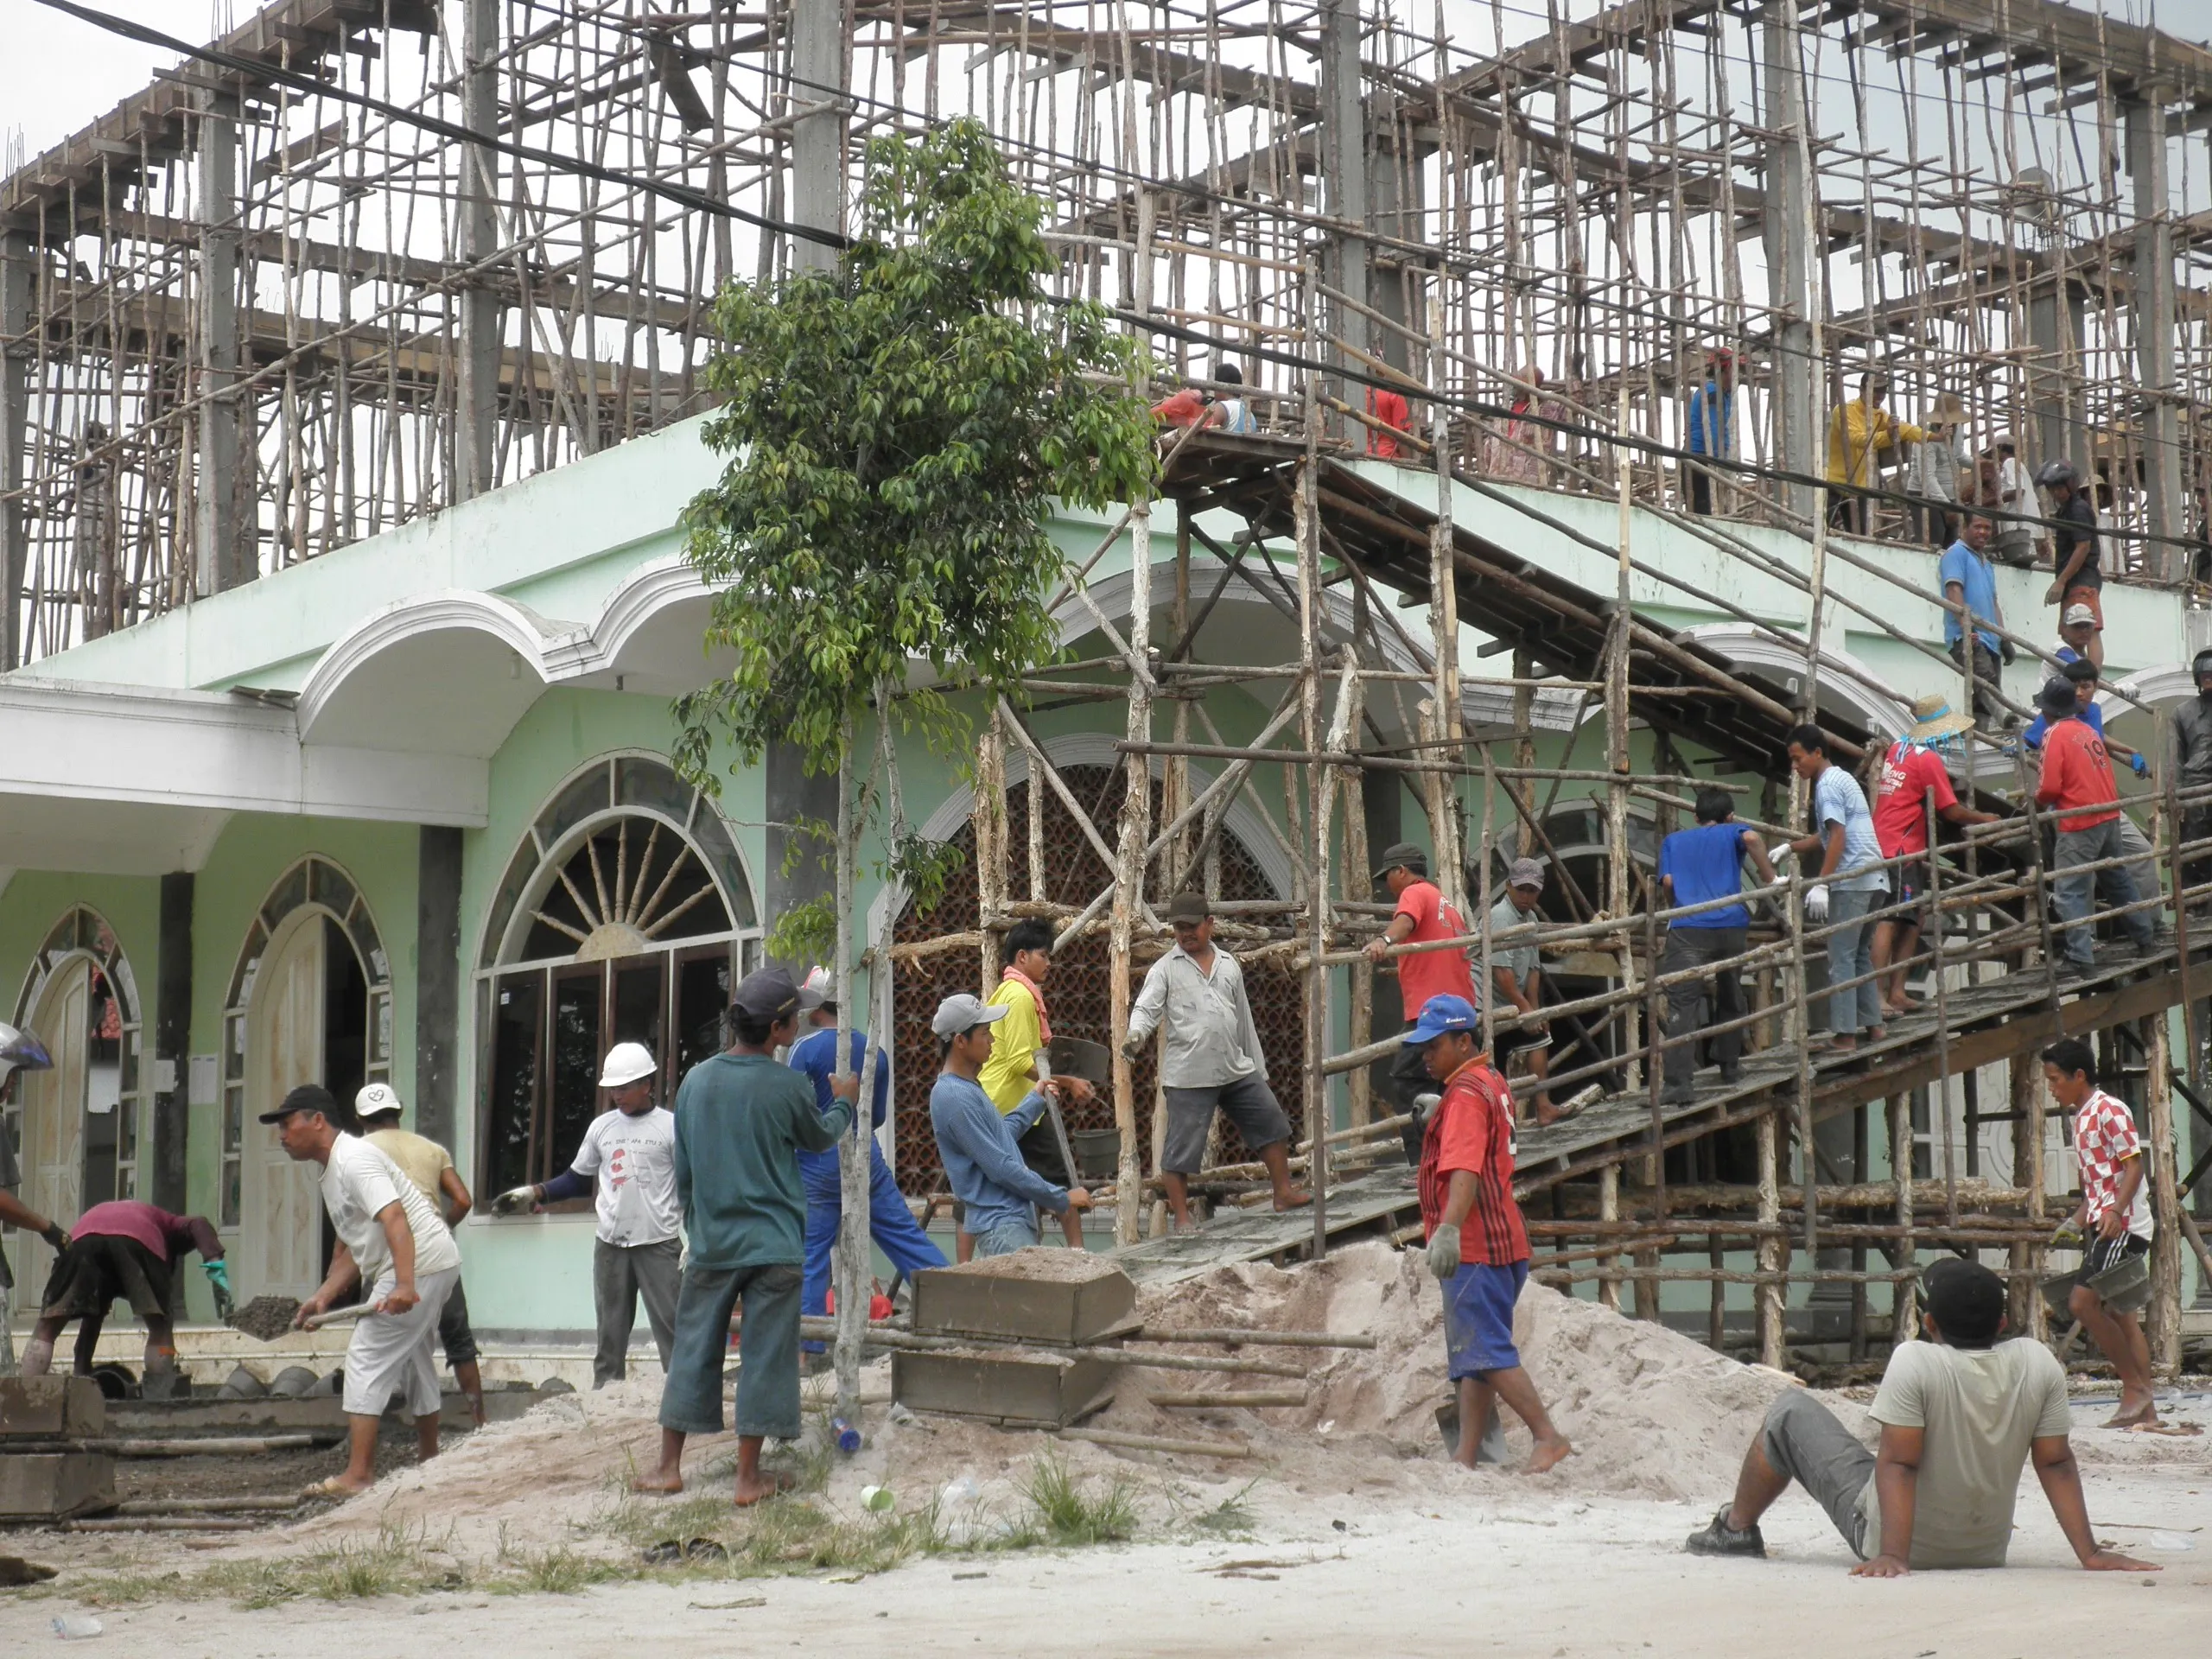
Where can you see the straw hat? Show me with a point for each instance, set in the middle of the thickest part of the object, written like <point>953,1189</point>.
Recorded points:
<point>1933,720</point>
<point>1948,411</point>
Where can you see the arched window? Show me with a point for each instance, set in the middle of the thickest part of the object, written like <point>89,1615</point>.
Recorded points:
<point>77,1129</point>
<point>625,916</point>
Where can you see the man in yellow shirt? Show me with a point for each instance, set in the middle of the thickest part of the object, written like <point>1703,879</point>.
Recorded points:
<point>1018,1062</point>
<point>1857,432</point>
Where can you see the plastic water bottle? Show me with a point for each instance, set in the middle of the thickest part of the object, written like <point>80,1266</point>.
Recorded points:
<point>75,1627</point>
<point>962,1492</point>
<point>847,1434</point>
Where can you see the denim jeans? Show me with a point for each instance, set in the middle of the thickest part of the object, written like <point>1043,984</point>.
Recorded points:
<point>1850,953</point>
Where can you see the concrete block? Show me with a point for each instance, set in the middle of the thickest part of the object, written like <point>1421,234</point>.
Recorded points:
<point>1034,1295</point>
<point>51,1406</point>
<point>49,1485</point>
<point>1033,1391</point>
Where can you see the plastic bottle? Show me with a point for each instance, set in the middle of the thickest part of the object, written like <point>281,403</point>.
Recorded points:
<point>75,1627</point>
<point>848,1435</point>
<point>963,1491</point>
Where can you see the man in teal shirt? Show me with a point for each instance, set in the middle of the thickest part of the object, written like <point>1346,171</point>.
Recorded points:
<point>741,1119</point>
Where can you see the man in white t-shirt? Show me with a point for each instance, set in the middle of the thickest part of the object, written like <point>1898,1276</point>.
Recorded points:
<point>392,1240</point>
<point>627,1162</point>
<point>1960,1413</point>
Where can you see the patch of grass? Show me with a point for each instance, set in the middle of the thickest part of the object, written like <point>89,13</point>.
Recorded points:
<point>560,1571</point>
<point>393,1562</point>
<point>1231,1517</point>
<point>1070,1514</point>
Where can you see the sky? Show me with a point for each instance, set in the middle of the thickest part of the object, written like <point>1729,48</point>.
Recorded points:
<point>59,74</point>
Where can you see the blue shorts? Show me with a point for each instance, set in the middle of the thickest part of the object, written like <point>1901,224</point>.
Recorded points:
<point>1478,1318</point>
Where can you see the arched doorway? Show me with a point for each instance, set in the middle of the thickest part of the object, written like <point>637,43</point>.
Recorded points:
<point>1075,993</point>
<point>310,1001</point>
<point>78,1126</point>
<point>626,915</point>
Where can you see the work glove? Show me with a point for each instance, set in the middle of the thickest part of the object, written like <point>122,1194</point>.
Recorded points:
<point>56,1234</point>
<point>1444,1251</point>
<point>1817,903</point>
<point>2005,653</point>
<point>521,1198</point>
<point>2069,1232</point>
<point>218,1280</point>
<point>1133,1047</point>
<point>2140,765</point>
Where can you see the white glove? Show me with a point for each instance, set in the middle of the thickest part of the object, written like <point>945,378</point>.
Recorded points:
<point>523,1198</point>
<point>1817,903</point>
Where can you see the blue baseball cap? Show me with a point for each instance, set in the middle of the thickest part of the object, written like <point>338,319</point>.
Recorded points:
<point>1440,1015</point>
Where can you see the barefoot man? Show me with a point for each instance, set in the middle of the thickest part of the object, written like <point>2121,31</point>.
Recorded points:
<point>1477,1244</point>
<point>2116,1214</point>
<point>391,1240</point>
<point>1212,1063</point>
<point>741,1119</point>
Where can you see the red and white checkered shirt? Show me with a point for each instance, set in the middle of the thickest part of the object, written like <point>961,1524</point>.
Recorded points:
<point>2104,1139</point>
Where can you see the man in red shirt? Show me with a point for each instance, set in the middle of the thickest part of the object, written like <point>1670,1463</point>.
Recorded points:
<point>1422,915</point>
<point>2077,780</point>
<point>1477,1246</point>
<point>124,1251</point>
<point>1913,772</point>
<point>1390,407</point>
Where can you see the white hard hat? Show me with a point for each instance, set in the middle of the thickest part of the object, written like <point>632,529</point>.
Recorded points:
<point>20,1051</point>
<point>376,1099</point>
<point>821,982</point>
<point>625,1063</point>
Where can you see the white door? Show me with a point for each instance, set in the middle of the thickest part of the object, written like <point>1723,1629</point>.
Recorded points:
<point>280,1244</point>
<point>53,1120</point>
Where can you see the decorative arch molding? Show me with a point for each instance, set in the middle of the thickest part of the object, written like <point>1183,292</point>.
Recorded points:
<point>2161,687</point>
<point>464,665</point>
<point>81,931</point>
<point>1846,682</point>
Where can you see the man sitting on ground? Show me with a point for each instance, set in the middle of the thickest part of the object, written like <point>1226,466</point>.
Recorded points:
<point>1696,867</point>
<point>1959,1414</point>
<point>979,1146</point>
<point>1212,1063</point>
<point>123,1250</point>
<point>1477,1244</point>
<point>2115,1216</point>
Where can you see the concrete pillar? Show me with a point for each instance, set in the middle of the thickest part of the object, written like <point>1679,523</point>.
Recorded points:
<point>224,534</point>
<point>2054,365</point>
<point>2156,340</point>
<point>1789,259</point>
<point>1394,202</point>
<point>477,400</point>
<point>172,1041</point>
<point>18,281</point>
<point>1344,172</point>
<point>438,980</point>
<point>818,134</point>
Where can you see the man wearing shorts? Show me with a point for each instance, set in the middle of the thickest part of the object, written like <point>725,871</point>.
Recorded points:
<point>392,1242</point>
<point>2074,550</point>
<point>125,1252</point>
<point>1913,773</point>
<point>1477,1246</point>
<point>1959,1412</point>
<point>2115,1216</point>
<point>429,1165</point>
<point>1212,1061</point>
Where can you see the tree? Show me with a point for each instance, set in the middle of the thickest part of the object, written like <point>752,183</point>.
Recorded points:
<point>898,430</point>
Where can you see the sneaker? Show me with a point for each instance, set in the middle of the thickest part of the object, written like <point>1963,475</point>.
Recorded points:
<point>1718,1538</point>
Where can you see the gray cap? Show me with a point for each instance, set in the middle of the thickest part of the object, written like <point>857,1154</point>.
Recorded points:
<point>1187,906</point>
<point>769,994</point>
<point>1525,873</point>
<point>963,1011</point>
<point>1401,854</point>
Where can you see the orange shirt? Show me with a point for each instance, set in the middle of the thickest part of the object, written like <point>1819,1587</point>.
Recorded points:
<point>2077,772</point>
<point>1186,408</point>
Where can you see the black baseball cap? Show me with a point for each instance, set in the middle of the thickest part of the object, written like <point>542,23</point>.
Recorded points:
<point>308,1097</point>
<point>1966,1299</point>
<point>1401,854</point>
<point>769,997</point>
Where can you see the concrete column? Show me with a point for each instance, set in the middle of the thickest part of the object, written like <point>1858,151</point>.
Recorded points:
<point>477,402</point>
<point>1344,172</point>
<point>1394,203</point>
<point>18,280</point>
<point>2155,337</point>
<point>2054,365</point>
<point>172,1042</point>
<point>225,536</point>
<point>438,980</point>
<point>1788,260</point>
<point>818,134</point>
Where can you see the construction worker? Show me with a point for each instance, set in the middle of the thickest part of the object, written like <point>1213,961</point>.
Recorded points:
<point>1959,1413</point>
<point>1422,915</point>
<point>1477,1244</point>
<point>1000,1191</point>
<point>123,1250</point>
<point>2192,724</point>
<point>2112,1221</point>
<point>1516,975</point>
<point>19,1052</point>
<point>429,1165</point>
<point>391,1243</point>
<point>1020,1059</point>
<point>2077,782</point>
<point>1858,431</point>
<point>626,1165</point>
<point>1913,773</point>
<point>891,1224</point>
<point>741,1118</point>
<point>1698,866</point>
<point>1712,426</point>
<point>2074,549</point>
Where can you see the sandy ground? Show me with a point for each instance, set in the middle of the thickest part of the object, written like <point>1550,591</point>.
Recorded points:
<point>1360,1534</point>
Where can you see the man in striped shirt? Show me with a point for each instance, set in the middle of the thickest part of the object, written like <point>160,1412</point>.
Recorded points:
<point>1477,1243</point>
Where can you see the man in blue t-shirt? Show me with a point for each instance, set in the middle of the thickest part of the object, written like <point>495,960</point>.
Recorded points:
<point>1970,580</point>
<point>1712,426</point>
<point>890,1223</point>
<point>1696,866</point>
